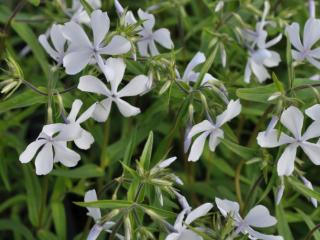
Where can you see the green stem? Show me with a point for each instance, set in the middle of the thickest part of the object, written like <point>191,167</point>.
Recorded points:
<point>312,231</point>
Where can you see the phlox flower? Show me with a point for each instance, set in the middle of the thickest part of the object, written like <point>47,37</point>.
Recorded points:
<point>52,143</point>
<point>85,139</point>
<point>259,216</point>
<point>95,213</point>
<point>136,86</point>
<point>189,75</point>
<point>83,50</point>
<point>311,35</point>
<point>148,37</point>
<point>212,129</point>
<point>183,219</point>
<point>292,118</point>
<point>308,184</point>
<point>58,51</point>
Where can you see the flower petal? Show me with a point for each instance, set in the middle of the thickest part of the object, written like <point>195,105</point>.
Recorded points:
<point>167,162</point>
<point>312,131</point>
<point>76,61</point>
<point>116,68</point>
<point>233,110</point>
<point>85,140</point>
<point>95,232</point>
<point>143,48</point>
<point>314,112</point>
<point>91,196</point>
<point>215,138</point>
<point>102,110</point>
<point>272,139</point>
<point>148,19</point>
<point>76,35</point>
<point>57,37</point>
<point>198,212</point>
<point>197,147</point>
<point>27,155</point>
<point>76,106</point>
<point>312,150</point>
<point>68,132</point>
<point>285,164</point>
<point>45,44</point>
<point>256,235</point>
<point>86,114</point>
<point>292,119</point>
<point>66,156</point>
<point>126,109</point>
<point>203,126</point>
<point>314,62</point>
<point>44,160</point>
<point>227,207</point>
<point>100,24</point>
<point>259,216</point>
<point>136,86</point>
<point>117,46</point>
<point>294,35</point>
<point>92,84</point>
<point>162,36</point>
<point>195,61</point>
<point>311,32</point>
<point>259,71</point>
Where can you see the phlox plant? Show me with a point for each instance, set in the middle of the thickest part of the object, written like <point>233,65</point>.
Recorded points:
<point>168,120</point>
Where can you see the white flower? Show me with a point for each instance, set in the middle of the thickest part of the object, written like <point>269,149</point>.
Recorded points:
<point>258,216</point>
<point>259,60</point>
<point>95,213</point>
<point>314,112</point>
<point>207,128</point>
<point>190,75</point>
<point>146,43</point>
<point>219,6</point>
<point>292,119</point>
<point>86,139</point>
<point>118,7</point>
<point>308,184</point>
<point>57,52</point>
<point>53,143</point>
<point>136,86</point>
<point>78,14</point>
<point>311,35</point>
<point>83,51</point>
<point>182,233</point>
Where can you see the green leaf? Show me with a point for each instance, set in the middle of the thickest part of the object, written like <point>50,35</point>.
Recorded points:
<point>26,33</point>
<point>159,211</point>
<point>86,171</point>
<point>17,227</point>
<point>257,94</point>
<point>309,223</point>
<point>277,83</point>
<point>34,2</point>
<point>20,100</point>
<point>87,7</point>
<point>244,152</point>
<point>146,153</point>
<point>59,219</point>
<point>109,204</point>
<point>33,190</point>
<point>12,202</point>
<point>282,224</point>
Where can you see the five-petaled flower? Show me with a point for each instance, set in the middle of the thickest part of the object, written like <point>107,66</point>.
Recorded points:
<point>83,51</point>
<point>148,38</point>
<point>53,143</point>
<point>209,128</point>
<point>258,216</point>
<point>184,219</point>
<point>136,86</point>
<point>292,119</point>
<point>311,34</point>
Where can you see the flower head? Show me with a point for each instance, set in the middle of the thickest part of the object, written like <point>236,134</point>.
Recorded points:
<point>52,142</point>
<point>213,130</point>
<point>83,50</point>
<point>186,218</point>
<point>311,34</point>
<point>258,216</point>
<point>148,37</point>
<point>292,119</point>
<point>136,86</point>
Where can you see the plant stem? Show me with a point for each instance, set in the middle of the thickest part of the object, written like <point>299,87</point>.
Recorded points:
<point>35,89</point>
<point>312,231</point>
